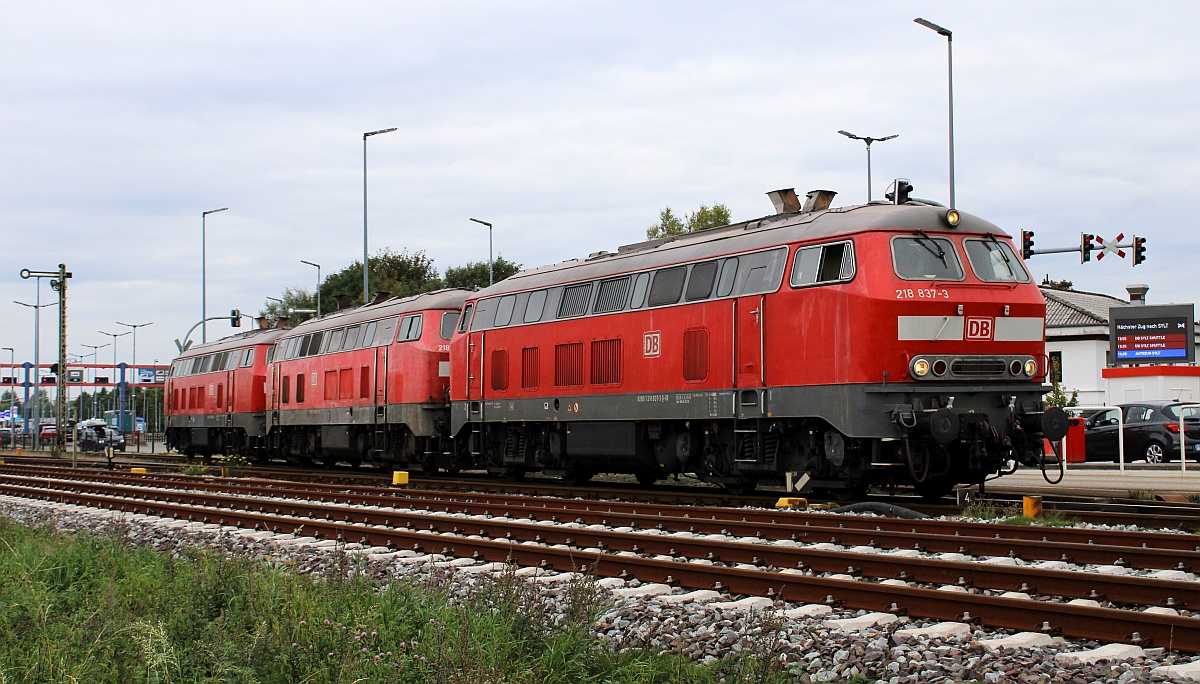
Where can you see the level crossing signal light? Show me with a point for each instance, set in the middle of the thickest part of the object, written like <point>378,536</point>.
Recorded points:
<point>235,318</point>
<point>1139,250</point>
<point>1087,243</point>
<point>1026,244</point>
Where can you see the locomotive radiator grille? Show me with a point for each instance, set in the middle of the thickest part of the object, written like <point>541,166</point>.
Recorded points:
<point>978,368</point>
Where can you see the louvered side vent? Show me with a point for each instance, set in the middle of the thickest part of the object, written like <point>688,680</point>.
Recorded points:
<point>575,300</point>
<point>568,364</point>
<point>606,362</point>
<point>529,368</point>
<point>612,295</point>
<point>499,370</point>
<point>695,355</point>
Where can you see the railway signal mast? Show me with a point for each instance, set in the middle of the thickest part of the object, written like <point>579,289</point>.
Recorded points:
<point>1088,243</point>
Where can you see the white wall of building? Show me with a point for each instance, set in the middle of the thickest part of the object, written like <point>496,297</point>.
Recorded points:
<point>1083,362</point>
<point>1170,387</point>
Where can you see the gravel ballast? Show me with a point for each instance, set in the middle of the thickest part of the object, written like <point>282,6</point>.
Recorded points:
<point>703,629</point>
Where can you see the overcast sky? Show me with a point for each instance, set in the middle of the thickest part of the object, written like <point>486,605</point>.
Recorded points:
<point>569,125</point>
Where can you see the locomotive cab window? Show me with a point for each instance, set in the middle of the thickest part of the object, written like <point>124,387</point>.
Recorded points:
<point>368,334</point>
<point>993,261</point>
<point>921,257</point>
<point>248,358</point>
<point>465,320</point>
<point>449,320</point>
<point>351,339</point>
<point>823,264</point>
<point>410,328</point>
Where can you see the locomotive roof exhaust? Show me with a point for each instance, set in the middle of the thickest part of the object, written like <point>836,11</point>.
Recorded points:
<point>818,200</point>
<point>262,322</point>
<point>281,322</point>
<point>786,201</point>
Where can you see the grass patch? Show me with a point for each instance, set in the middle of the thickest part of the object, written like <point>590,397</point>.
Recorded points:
<point>1141,495</point>
<point>1048,519</point>
<point>94,609</point>
<point>987,510</point>
<point>1193,498</point>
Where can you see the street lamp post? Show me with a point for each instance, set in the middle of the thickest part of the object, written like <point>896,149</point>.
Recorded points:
<point>12,363</point>
<point>941,31</point>
<point>203,274</point>
<point>95,352</point>
<point>491,268</point>
<point>36,418</point>
<point>134,327</point>
<point>868,141</point>
<point>366,287</point>
<point>114,346</point>
<point>318,284</point>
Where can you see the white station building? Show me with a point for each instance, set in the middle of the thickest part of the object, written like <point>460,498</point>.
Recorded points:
<point>1077,342</point>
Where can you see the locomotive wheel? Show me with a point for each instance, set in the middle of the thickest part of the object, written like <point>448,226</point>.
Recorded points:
<point>935,488</point>
<point>741,488</point>
<point>327,459</point>
<point>514,474</point>
<point>647,478</point>
<point>429,468</point>
<point>574,477</point>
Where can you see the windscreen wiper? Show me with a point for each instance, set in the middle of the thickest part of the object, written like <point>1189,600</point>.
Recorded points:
<point>936,250</point>
<point>1003,255</point>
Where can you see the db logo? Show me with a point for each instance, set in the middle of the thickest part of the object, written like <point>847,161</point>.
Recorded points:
<point>980,328</point>
<point>652,343</point>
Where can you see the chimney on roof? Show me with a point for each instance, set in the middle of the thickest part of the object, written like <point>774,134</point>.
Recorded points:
<point>818,200</point>
<point>1137,294</point>
<point>262,322</point>
<point>785,201</point>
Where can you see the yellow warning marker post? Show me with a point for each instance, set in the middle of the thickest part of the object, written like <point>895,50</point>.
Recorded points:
<point>140,471</point>
<point>791,502</point>
<point>400,477</point>
<point>1031,507</point>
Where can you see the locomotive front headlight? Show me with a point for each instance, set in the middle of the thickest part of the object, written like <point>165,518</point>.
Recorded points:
<point>920,368</point>
<point>951,217</point>
<point>1031,368</point>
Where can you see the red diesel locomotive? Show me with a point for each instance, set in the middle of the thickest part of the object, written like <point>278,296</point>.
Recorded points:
<point>215,399</point>
<point>363,384</point>
<point>890,342</point>
<point>366,384</point>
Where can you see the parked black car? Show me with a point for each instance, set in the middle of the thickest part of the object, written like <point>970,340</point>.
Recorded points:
<point>1151,432</point>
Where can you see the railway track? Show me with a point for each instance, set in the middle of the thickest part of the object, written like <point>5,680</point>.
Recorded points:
<point>1093,584</point>
<point>1098,511</point>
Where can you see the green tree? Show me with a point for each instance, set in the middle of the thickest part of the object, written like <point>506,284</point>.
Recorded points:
<point>705,217</point>
<point>1057,284</point>
<point>474,276</point>
<point>296,305</point>
<point>397,273</point>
